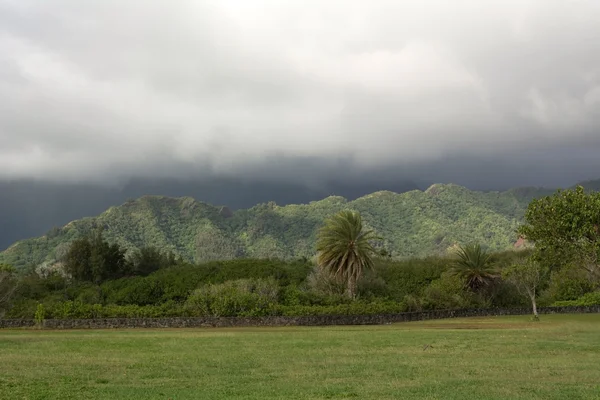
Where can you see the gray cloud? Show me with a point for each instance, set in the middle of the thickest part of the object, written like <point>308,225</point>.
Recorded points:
<point>305,90</point>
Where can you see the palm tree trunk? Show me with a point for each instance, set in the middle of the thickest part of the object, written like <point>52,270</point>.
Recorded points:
<point>351,289</point>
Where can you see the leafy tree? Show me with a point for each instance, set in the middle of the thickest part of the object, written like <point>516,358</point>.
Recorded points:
<point>93,259</point>
<point>474,266</point>
<point>77,259</point>
<point>565,229</point>
<point>345,249</point>
<point>527,276</point>
<point>7,287</point>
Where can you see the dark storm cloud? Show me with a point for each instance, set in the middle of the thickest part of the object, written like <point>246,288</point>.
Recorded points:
<point>304,90</point>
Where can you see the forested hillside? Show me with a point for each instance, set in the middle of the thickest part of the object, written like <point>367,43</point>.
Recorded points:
<point>415,223</point>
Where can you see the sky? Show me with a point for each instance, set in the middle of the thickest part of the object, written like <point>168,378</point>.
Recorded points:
<point>484,93</point>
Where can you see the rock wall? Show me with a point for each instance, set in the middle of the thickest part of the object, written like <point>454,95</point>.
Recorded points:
<point>317,320</point>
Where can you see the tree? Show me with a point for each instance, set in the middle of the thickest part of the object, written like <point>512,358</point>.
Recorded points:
<point>8,286</point>
<point>77,259</point>
<point>345,249</point>
<point>93,259</point>
<point>527,276</point>
<point>565,229</point>
<point>149,259</point>
<point>474,266</point>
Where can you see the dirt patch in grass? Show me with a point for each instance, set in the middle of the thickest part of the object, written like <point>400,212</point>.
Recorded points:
<point>480,323</point>
<point>481,326</point>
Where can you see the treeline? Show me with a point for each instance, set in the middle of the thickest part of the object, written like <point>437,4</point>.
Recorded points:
<point>270,287</point>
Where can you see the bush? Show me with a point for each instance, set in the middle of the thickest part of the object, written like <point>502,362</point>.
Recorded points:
<point>372,286</point>
<point>240,297</point>
<point>409,277</point>
<point>139,291</point>
<point>78,310</point>
<point>589,299</point>
<point>34,286</point>
<point>355,308</point>
<point>178,282</point>
<point>23,308</point>
<point>321,283</point>
<point>568,283</point>
<point>506,295</point>
<point>447,292</point>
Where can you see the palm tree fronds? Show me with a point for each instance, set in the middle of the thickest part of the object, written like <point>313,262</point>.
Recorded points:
<point>344,248</point>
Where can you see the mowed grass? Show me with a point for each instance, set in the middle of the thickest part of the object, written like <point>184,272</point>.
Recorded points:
<point>471,358</point>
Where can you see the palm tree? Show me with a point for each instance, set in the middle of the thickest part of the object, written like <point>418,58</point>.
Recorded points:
<point>474,265</point>
<point>344,249</point>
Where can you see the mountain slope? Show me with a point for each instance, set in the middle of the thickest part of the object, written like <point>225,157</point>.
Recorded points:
<point>415,223</point>
<point>30,208</point>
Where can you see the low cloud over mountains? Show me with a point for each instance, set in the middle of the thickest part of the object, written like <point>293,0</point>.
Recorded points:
<point>237,102</point>
<point>307,91</point>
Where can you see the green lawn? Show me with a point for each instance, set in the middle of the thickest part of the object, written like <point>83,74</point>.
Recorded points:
<point>476,358</point>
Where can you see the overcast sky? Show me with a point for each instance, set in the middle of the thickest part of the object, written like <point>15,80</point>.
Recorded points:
<point>305,90</point>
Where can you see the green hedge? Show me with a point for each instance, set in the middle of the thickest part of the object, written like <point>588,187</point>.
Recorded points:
<point>79,310</point>
<point>356,308</point>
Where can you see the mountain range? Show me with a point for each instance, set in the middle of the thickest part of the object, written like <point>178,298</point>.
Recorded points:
<point>413,224</point>
<point>30,208</point>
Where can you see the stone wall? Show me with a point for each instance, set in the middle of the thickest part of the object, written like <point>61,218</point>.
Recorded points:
<point>317,320</point>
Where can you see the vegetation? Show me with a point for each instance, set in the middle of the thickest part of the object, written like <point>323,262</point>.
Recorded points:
<point>7,287</point>
<point>527,276</point>
<point>40,316</point>
<point>247,287</point>
<point>94,278</point>
<point>473,265</point>
<point>345,249</point>
<point>412,224</point>
<point>588,299</point>
<point>565,229</point>
<point>473,358</point>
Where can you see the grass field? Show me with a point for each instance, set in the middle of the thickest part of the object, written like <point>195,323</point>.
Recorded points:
<point>476,358</point>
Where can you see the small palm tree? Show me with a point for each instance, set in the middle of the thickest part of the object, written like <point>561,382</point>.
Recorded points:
<point>474,265</point>
<point>344,249</point>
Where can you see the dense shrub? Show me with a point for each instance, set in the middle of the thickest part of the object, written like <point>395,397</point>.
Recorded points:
<point>240,297</point>
<point>306,296</point>
<point>136,290</point>
<point>506,295</point>
<point>320,283</point>
<point>447,292</point>
<point>34,286</point>
<point>354,308</point>
<point>568,283</point>
<point>78,310</point>
<point>409,277</point>
<point>589,299</point>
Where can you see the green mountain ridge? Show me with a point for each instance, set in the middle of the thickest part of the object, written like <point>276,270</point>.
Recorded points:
<point>415,223</point>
